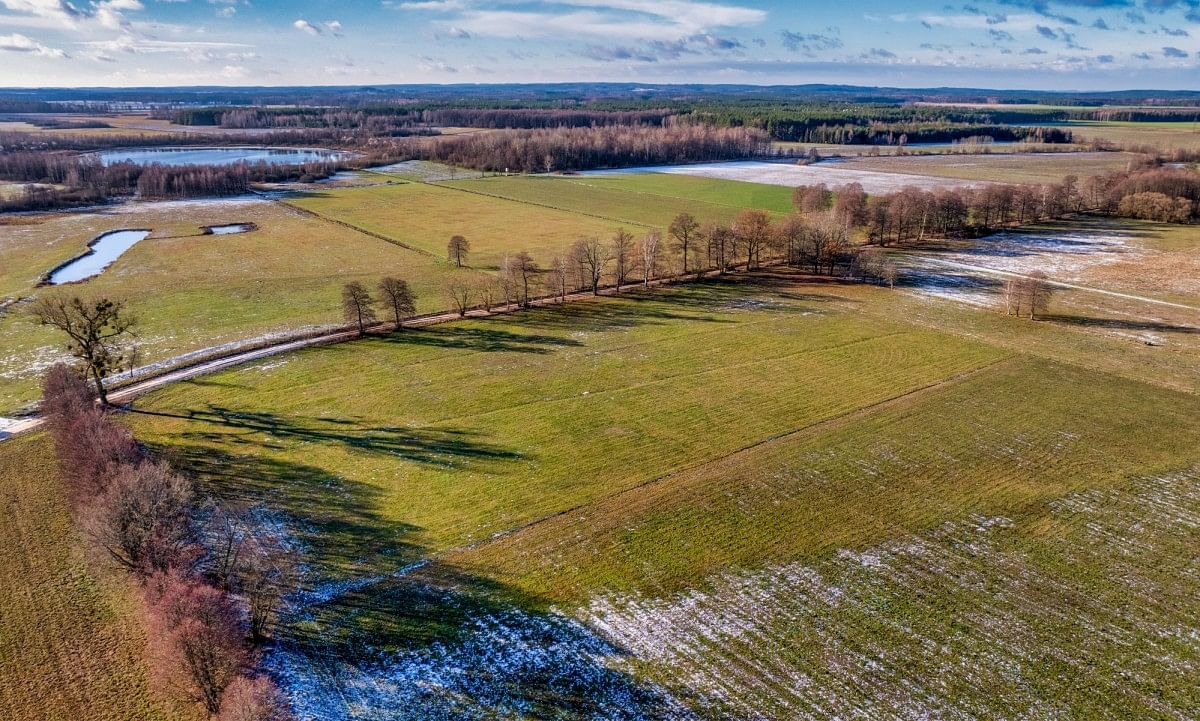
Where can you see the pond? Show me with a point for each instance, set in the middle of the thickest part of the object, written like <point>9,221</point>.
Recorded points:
<point>101,253</point>
<point>218,156</point>
<point>229,229</point>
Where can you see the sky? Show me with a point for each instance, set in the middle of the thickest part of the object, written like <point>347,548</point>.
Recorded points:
<point>1027,44</point>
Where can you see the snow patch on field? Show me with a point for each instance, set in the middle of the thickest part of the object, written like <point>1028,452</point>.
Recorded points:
<point>792,175</point>
<point>957,623</point>
<point>506,665</point>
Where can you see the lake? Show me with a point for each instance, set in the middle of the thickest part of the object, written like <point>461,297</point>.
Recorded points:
<point>104,250</point>
<point>218,156</point>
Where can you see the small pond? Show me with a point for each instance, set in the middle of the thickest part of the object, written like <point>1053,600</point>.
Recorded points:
<point>102,252</point>
<point>229,229</point>
<point>218,156</point>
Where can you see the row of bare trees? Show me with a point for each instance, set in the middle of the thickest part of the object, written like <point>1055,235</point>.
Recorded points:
<point>547,150</point>
<point>359,306</point>
<point>206,605</point>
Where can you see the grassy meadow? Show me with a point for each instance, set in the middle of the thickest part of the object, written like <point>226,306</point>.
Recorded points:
<point>685,459</point>
<point>191,290</point>
<point>1166,136</point>
<point>997,167</point>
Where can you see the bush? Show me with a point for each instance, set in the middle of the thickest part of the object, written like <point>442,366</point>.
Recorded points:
<point>1156,206</point>
<point>142,521</point>
<point>253,699</point>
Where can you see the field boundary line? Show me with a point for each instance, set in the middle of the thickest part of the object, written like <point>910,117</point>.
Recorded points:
<point>351,226</point>
<point>831,422</point>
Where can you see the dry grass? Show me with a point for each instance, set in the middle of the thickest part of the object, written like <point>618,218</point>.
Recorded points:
<point>71,644</point>
<point>999,167</point>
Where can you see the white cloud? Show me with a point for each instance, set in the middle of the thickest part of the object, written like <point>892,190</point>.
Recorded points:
<point>18,43</point>
<point>307,27</point>
<point>333,27</point>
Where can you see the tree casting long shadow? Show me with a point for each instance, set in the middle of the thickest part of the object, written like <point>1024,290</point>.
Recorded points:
<point>376,632</point>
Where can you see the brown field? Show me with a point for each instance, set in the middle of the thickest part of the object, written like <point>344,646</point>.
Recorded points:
<point>999,167</point>
<point>70,638</point>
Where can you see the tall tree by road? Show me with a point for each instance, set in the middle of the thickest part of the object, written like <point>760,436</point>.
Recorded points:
<point>96,329</point>
<point>457,249</point>
<point>399,297</point>
<point>648,250</point>
<point>593,257</point>
<point>358,307</point>
<point>524,270</point>
<point>683,231</point>
<point>622,254</point>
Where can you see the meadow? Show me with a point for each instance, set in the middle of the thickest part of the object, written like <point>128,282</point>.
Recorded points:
<point>191,290</point>
<point>1166,136</point>
<point>639,479</point>
<point>71,645</point>
<point>997,167</point>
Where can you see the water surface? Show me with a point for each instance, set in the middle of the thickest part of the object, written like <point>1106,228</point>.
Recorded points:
<point>104,250</point>
<point>230,229</point>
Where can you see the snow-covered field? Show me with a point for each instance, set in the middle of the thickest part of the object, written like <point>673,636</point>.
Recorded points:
<point>966,621</point>
<point>792,175</point>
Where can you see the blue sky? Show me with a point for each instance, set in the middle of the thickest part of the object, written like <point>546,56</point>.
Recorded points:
<point>1068,44</point>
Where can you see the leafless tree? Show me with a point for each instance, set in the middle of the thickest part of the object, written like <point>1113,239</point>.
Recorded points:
<point>647,251</point>
<point>1040,293</point>
<point>622,255</point>
<point>525,271</point>
<point>96,329</point>
<point>457,249</point>
<point>721,245</point>
<point>266,572</point>
<point>789,237</point>
<point>753,228</point>
<point>141,519</point>
<point>459,293</point>
<point>556,277</point>
<point>254,699</point>
<point>593,258</point>
<point>850,205</point>
<point>683,230</point>
<point>488,289</point>
<point>398,297</point>
<point>195,636</point>
<point>358,307</point>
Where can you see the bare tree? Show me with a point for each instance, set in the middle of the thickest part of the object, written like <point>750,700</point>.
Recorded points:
<point>508,279</point>
<point>556,277</point>
<point>721,245</point>
<point>358,307</point>
<point>1040,293</point>
<point>266,573</point>
<point>647,251</point>
<point>195,634</point>
<point>488,289</point>
<point>622,255</point>
<point>399,298</point>
<point>96,329</point>
<point>789,237</point>
<point>141,519</point>
<point>459,293</point>
<point>457,249</point>
<point>683,231</point>
<point>593,258</point>
<point>753,228</point>
<point>254,699</point>
<point>525,271</point>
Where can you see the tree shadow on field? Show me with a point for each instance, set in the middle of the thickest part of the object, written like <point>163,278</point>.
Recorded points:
<point>263,429</point>
<point>376,630</point>
<point>1119,323</point>
<point>487,340</point>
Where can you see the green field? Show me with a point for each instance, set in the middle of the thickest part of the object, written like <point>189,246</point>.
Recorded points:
<point>1165,136</point>
<point>195,291</point>
<point>71,643</point>
<point>684,461</point>
<point>998,167</point>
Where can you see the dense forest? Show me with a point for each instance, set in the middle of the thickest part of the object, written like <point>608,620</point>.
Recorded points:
<point>535,151</point>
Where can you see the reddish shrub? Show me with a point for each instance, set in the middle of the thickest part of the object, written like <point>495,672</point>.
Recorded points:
<point>141,519</point>
<point>254,699</point>
<point>195,637</point>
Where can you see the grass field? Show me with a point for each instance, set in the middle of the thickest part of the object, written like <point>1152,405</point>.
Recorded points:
<point>748,499</point>
<point>70,640</point>
<point>424,216</point>
<point>654,203</point>
<point>1006,168</point>
<point>191,290</point>
<point>1166,136</point>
